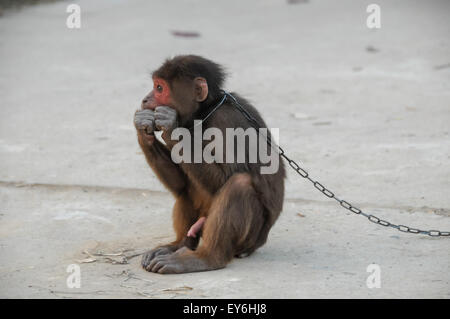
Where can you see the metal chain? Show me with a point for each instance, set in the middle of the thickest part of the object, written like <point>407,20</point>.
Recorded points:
<point>303,173</point>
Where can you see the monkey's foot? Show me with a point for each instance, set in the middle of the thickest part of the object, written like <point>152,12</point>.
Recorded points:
<point>151,254</point>
<point>182,261</point>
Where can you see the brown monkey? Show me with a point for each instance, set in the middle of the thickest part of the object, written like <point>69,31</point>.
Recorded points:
<point>231,206</point>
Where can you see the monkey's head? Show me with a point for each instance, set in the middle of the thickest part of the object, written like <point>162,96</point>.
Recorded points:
<point>185,83</point>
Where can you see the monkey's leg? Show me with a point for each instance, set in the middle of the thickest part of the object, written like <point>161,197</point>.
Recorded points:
<point>233,227</point>
<point>184,215</point>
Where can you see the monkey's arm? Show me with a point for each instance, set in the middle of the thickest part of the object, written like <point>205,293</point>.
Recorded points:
<point>157,155</point>
<point>169,173</point>
<point>166,120</point>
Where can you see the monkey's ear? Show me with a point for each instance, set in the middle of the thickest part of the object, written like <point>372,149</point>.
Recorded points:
<point>201,89</point>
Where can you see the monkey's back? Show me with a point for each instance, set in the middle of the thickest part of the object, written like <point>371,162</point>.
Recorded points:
<point>269,186</point>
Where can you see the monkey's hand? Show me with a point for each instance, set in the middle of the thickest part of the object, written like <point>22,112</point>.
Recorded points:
<point>145,120</point>
<point>165,118</point>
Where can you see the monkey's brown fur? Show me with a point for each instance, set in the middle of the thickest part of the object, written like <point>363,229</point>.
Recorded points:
<point>240,204</point>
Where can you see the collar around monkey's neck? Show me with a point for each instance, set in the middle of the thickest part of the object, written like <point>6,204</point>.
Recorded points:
<point>209,110</point>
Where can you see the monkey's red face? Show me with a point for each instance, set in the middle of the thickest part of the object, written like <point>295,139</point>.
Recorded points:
<point>162,91</point>
<point>160,95</point>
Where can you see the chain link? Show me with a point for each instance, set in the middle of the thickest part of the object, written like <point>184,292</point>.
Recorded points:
<point>356,210</point>
<point>303,173</point>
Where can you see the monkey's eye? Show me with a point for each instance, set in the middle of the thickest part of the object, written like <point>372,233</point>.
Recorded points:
<point>159,88</point>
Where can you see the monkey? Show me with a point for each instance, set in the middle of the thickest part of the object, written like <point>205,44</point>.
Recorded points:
<point>229,206</point>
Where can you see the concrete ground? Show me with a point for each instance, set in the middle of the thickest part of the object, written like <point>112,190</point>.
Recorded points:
<point>366,112</point>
